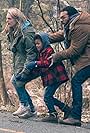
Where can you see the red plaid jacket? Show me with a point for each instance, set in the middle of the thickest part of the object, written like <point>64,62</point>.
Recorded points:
<point>55,73</point>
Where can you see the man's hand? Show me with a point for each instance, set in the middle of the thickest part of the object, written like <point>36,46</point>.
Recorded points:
<point>51,59</point>
<point>54,58</point>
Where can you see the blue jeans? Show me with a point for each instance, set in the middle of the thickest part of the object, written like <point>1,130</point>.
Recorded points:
<point>77,81</point>
<point>50,101</point>
<point>23,95</point>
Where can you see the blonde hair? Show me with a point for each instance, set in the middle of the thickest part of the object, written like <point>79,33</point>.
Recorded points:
<point>17,15</point>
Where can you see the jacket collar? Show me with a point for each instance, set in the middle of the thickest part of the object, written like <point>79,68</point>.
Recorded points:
<point>72,23</point>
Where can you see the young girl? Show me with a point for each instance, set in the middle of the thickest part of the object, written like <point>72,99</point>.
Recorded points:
<point>52,77</point>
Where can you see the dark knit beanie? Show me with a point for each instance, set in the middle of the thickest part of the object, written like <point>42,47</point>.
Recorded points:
<point>71,10</point>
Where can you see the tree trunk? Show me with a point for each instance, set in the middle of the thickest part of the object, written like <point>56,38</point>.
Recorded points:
<point>11,3</point>
<point>27,6</point>
<point>20,5</point>
<point>4,95</point>
<point>88,6</point>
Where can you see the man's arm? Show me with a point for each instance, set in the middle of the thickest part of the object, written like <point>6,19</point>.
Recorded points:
<point>56,36</point>
<point>79,38</point>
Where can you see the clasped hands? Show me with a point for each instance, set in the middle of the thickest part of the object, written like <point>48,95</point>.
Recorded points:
<point>24,74</point>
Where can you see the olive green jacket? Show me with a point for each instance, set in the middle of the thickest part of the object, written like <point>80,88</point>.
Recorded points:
<point>23,48</point>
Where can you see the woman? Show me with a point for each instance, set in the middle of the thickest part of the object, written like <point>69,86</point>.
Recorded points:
<point>20,34</point>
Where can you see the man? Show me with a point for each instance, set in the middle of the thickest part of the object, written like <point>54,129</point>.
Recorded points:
<point>77,42</point>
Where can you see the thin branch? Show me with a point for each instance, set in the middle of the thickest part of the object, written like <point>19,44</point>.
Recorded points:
<point>58,7</point>
<point>43,16</point>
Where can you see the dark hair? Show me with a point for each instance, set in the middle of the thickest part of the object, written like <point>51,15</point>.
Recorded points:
<point>37,36</point>
<point>71,10</point>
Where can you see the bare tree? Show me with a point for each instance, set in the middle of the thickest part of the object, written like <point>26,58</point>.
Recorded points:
<point>4,96</point>
<point>11,3</point>
<point>28,4</point>
<point>42,15</point>
<point>88,6</point>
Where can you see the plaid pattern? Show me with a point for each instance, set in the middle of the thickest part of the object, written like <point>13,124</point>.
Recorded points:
<point>51,75</point>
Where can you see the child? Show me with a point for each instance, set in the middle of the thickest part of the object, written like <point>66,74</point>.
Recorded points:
<point>52,77</point>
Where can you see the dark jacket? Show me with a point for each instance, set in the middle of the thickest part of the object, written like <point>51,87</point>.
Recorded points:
<point>55,73</point>
<point>79,34</point>
<point>23,48</point>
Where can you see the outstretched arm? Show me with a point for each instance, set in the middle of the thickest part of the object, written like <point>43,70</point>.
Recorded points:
<point>56,36</point>
<point>79,38</point>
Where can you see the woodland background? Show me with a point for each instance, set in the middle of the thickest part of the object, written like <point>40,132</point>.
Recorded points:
<point>44,17</point>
